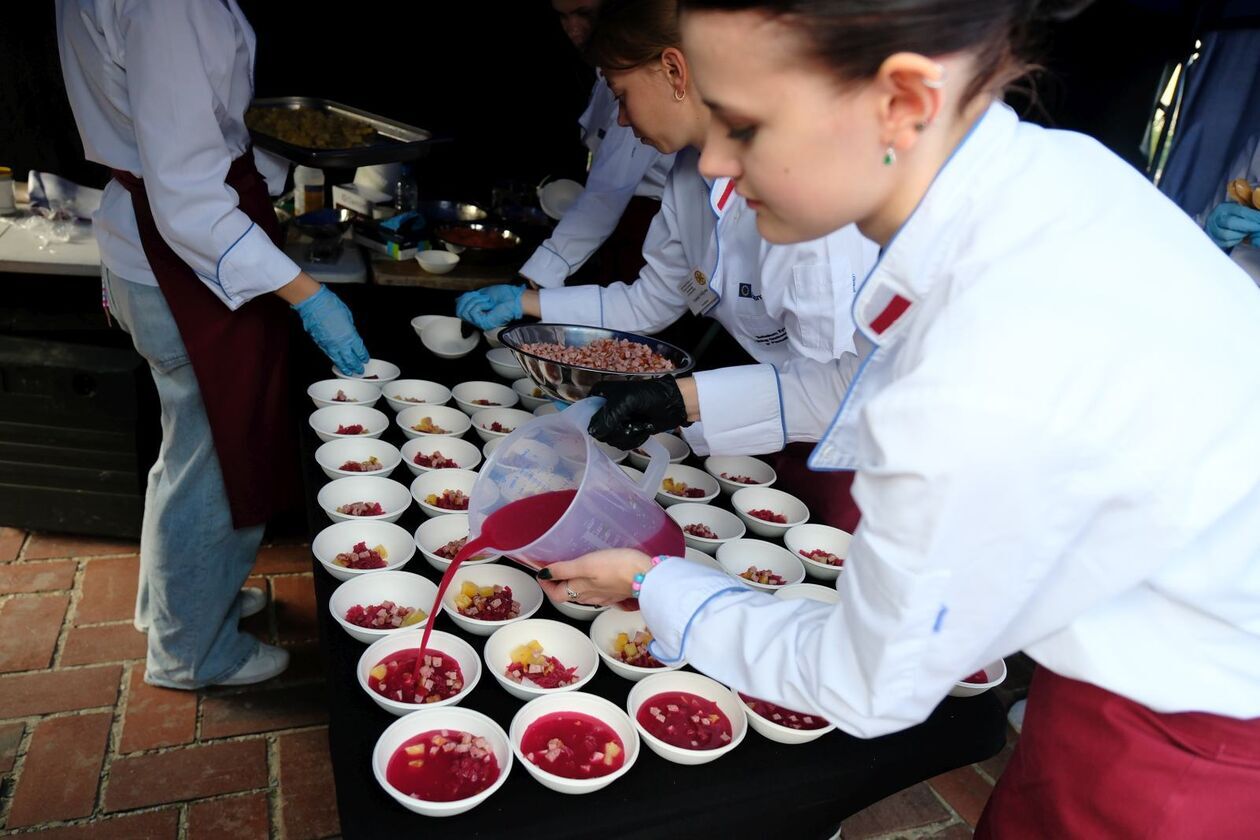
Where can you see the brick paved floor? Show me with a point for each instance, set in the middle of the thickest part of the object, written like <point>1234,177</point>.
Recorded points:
<point>88,750</point>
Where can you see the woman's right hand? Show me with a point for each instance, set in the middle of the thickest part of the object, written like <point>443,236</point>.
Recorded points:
<point>491,307</point>
<point>331,326</point>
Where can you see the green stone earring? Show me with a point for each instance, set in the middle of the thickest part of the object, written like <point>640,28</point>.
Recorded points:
<point>890,156</point>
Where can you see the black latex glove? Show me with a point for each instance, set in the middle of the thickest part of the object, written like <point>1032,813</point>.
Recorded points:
<point>634,411</point>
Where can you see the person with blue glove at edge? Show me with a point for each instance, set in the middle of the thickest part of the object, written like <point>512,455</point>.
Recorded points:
<point>193,272</point>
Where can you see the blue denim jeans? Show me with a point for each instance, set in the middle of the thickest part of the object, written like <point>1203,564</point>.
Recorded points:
<point>192,561</point>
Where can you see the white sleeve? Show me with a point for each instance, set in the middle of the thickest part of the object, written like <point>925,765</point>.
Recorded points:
<point>618,166</point>
<point>183,156</point>
<point>940,565</point>
<point>649,304</point>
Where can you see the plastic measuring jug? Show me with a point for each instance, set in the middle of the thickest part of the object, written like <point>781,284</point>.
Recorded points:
<point>578,499</point>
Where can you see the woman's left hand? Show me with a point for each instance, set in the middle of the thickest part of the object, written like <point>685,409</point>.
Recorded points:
<point>599,578</point>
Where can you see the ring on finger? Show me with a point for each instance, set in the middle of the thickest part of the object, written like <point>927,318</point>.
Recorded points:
<point>568,590</point>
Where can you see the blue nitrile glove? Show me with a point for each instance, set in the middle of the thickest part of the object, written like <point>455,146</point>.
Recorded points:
<point>1231,223</point>
<point>331,327</point>
<point>490,307</point>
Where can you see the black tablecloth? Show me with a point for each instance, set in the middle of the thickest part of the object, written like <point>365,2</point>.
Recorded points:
<point>758,790</point>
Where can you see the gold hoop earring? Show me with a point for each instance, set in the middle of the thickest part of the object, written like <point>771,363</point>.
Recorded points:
<point>680,95</point>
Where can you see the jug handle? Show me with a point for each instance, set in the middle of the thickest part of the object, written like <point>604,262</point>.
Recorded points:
<point>579,415</point>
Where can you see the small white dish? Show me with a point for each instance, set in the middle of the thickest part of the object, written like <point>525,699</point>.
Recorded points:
<point>808,592</point>
<point>403,588</point>
<point>437,532</point>
<point>804,538</point>
<point>634,475</point>
<point>465,455</point>
<point>546,408</point>
<point>509,418</point>
<point>994,671</point>
<point>722,522</point>
<point>332,455</point>
<point>492,336</point>
<point>525,591</point>
<point>567,644</point>
<point>419,322</point>
<point>767,728</point>
<point>402,394</point>
<point>614,454</point>
<point>744,466</point>
<point>376,372</point>
<point>494,395</point>
<point>393,497</point>
<point>442,338</point>
<point>532,397</point>
<point>327,420</point>
<point>676,447</point>
<point>426,720</point>
<point>702,686</point>
<point>582,703</point>
<point>324,392</point>
<point>766,498</point>
<point>503,363</point>
<point>694,555</point>
<point>487,448</point>
<point>437,262</point>
<point>435,482</point>
<point>737,555</point>
<point>452,421</point>
<point>578,612</point>
<point>409,640</point>
<point>344,536</point>
<point>693,478</point>
<point>604,631</point>
<point>556,197</point>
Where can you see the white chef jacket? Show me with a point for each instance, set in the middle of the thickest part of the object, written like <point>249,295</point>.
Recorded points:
<point>159,89</point>
<point>621,168</point>
<point>1059,453</point>
<point>787,305</point>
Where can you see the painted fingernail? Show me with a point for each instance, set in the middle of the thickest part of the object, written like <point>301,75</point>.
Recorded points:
<point>545,574</point>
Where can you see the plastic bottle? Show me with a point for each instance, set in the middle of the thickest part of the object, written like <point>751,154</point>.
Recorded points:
<point>308,190</point>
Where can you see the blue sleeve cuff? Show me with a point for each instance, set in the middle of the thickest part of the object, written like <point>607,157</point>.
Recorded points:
<point>672,594</point>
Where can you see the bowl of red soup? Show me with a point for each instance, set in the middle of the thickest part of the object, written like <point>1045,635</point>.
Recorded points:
<point>400,679</point>
<point>686,718</point>
<point>442,762</point>
<point>990,676</point>
<point>575,742</point>
<point>781,724</point>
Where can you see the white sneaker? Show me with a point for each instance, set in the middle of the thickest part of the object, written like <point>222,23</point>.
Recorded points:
<point>270,661</point>
<point>252,599</point>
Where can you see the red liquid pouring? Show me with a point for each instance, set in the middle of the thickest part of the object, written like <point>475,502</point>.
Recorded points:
<point>520,523</point>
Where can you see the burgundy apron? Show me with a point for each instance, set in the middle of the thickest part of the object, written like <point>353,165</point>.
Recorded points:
<point>826,494</point>
<point>240,358</point>
<point>620,258</point>
<point>1090,763</point>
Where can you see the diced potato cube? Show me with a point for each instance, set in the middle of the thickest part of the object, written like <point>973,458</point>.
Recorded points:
<point>418,763</point>
<point>611,751</point>
<point>535,646</point>
<point>431,499</point>
<point>462,602</point>
<point>621,641</point>
<point>468,589</point>
<point>414,749</point>
<point>415,617</point>
<point>486,591</point>
<point>378,673</point>
<point>381,550</point>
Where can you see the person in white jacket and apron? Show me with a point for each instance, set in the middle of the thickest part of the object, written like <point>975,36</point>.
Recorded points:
<point>1054,426</point>
<point>624,184</point>
<point>786,305</point>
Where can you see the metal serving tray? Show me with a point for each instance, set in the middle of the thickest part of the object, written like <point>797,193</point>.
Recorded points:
<point>393,142</point>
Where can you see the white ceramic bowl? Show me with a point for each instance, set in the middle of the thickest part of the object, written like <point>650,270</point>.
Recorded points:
<point>808,592</point>
<point>437,262</point>
<point>614,454</point>
<point>385,372</point>
<point>409,640</point>
<point>676,447</point>
<point>512,418</point>
<point>555,198</point>
<point>402,394</point>
<point>737,555</point>
<point>434,482</point>
<point>501,395</point>
<point>419,322</point>
<point>331,455</point>
<point>766,498</point>
<point>742,465</point>
<point>545,409</point>
<point>583,703</point>
<point>325,421</point>
<point>503,363</point>
<point>450,717</point>
<point>692,477</point>
<point>604,630</point>
<point>441,337</point>
<point>694,555</point>
<point>437,532</point>
<point>691,683</point>
<point>995,671</point>
<point>525,591</point>
<point>812,537</point>
<point>635,475</point>
<point>454,421</point>
<point>527,391</point>
<point>463,453</point>
<point>394,497</point>
<point>565,643</point>
<point>725,524</point>
<point>359,392</point>
<point>492,336</point>
<point>578,612</point>
<point>487,448</point>
<point>778,732</point>
<point>403,588</point>
<point>343,536</point>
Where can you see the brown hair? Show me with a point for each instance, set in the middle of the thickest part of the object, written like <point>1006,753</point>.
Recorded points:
<point>853,37</point>
<point>630,33</point>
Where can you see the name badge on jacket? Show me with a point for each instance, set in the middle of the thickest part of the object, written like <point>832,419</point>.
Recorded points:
<point>700,296</point>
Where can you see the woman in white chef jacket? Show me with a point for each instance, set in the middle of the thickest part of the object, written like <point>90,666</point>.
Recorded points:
<point>1054,433</point>
<point>622,169</point>
<point>786,305</point>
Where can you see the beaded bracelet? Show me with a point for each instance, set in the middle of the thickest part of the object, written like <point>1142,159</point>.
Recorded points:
<point>636,586</point>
